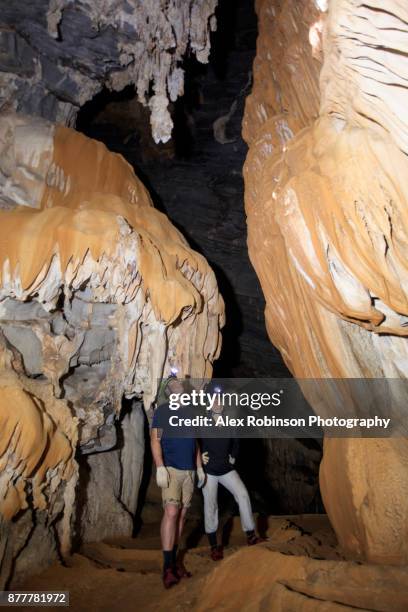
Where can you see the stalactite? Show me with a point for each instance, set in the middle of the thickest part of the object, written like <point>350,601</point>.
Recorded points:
<point>58,63</point>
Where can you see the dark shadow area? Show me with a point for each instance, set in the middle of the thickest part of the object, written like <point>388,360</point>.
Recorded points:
<point>146,477</point>
<point>223,40</point>
<point>98,103</point>
<point>81,499</point>
<point>194,535</point>
<point>230,356</point>
<point>184,134</point>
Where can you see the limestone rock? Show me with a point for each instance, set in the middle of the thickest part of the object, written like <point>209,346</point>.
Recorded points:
<point>291,582</point>
<point>368,519</point>
<point>327,226</point>
<point>39,436</point>
<point>109,482</point>
<point>111,289</point>
<point>103,515</point>
<point>56,54</point>
<point>99,297</point>
<point>132,457</point>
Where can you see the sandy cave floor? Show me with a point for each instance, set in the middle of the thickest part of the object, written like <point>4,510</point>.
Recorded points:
<point>125,573</point>
<point>299,569</point>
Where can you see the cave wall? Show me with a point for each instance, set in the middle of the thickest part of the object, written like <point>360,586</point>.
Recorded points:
<point>57,54</point>
<point>99,297</point>
<point>38,472</point>
<point>327,229</point>
<point>109,481</point>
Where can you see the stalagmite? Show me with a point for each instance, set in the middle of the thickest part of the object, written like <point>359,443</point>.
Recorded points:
<point>327,221</point>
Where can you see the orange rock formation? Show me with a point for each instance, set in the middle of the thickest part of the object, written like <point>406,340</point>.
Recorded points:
<point>80,228</point>
<point>327,228</point>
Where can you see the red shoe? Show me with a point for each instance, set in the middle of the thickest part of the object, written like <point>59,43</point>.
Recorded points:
<point>170,578</point>
<point>217,553</point>
<point>254,539</point>
<point>182,572</point>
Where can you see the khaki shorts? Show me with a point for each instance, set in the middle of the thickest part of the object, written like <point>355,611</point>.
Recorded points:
<point>181,488</point>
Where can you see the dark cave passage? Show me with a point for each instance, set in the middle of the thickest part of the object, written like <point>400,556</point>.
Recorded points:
<point>197,181</point>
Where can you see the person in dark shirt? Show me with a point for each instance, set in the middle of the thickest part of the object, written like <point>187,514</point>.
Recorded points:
<point>218,456</point>
<point>177,460</point>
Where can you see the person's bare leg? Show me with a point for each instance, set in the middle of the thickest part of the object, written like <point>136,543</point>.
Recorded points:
<point>180,524</point>
<point>169,526</point>
<point>181,569</point>
<point>168,531</point>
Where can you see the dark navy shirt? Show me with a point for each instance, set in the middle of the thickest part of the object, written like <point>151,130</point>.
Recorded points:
<point>179,453</point>
<point>219,450</point>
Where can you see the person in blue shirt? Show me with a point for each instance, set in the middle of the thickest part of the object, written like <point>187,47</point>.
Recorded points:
<point>177,460</point>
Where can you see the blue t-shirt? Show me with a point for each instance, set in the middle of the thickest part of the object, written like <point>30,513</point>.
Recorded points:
<point>179,453</point>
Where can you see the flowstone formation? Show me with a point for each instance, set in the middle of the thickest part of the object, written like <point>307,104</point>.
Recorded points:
<point>99,297</point>
<point>57,54</point>
<point>327,224</point>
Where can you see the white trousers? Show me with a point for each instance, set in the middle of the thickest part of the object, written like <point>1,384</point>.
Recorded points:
<point>233,483</point>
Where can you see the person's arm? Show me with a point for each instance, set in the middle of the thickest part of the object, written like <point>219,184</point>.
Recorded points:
<point>162,475</point>
<point>234,451</point>
<point>198,456</point>
<point>156,447</point>
<point>204,454</point>
<point>200,471</point>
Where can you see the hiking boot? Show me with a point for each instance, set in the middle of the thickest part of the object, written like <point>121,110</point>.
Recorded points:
<point>254,539</point>
<point>170,578</point>
<point>217,553</point>
<point>182,571</point>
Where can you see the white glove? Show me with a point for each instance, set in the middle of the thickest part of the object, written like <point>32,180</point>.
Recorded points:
<point>162,477</point>
<point>200,477</point>
<point>205,458</point>
<point>231,459</point>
